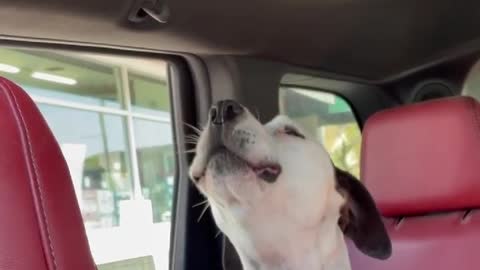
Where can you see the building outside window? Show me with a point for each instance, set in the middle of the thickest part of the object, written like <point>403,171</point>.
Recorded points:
<point>111,117</point>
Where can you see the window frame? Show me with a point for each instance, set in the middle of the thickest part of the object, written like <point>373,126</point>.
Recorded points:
<point>364,98</point>
<point>327,91</point>
<point>191,239</point>
<point>183,98</point>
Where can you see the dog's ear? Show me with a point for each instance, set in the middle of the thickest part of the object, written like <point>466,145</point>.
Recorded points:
<point>360,219</point>
<point>231,259</point>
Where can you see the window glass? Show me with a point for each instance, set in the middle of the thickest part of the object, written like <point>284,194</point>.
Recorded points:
<point>329,118</point>
<point>61,76</point>
<point>117,140</point>
<point>155,161</point>
<point>149,96</point>
<point>95,146</point>
<point>471,85</point>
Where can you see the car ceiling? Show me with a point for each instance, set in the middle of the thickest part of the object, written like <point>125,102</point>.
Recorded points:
<point>369,39</point>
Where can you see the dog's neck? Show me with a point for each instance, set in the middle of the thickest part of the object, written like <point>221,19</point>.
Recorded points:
<point>279,241</point>
<point>324,250</point>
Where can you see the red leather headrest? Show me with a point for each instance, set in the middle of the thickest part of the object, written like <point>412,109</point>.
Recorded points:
<point>424,158</point>
<point>40,223</point>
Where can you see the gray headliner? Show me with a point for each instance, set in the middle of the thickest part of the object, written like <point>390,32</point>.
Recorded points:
<point>369,39</point>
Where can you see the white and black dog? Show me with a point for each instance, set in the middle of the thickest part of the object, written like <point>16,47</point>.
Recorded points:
<point>276,195</point>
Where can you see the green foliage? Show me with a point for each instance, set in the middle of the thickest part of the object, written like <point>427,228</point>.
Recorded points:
<point>348,148</point>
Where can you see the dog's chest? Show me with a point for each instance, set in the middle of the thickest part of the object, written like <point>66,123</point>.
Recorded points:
<point>326,252</point>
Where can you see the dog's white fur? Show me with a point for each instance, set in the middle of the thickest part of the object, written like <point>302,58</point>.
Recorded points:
<point>291,224</point>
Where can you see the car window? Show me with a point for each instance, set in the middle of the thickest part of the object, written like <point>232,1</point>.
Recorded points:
<point>112,118</point>
<point>471,84</point>
<point>328,118</point>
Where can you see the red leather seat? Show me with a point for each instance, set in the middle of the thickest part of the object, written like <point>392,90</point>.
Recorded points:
<point>40,223</point>
<point>422,165</point>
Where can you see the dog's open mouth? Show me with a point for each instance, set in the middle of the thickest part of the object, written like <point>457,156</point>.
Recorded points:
<point>223,161</point>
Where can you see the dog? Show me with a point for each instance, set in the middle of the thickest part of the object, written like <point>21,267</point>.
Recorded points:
<point>275,194</point>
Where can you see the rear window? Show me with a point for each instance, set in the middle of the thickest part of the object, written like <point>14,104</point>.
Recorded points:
<point>112,118</point>
<point>471,84</point>
<point>330,119</point>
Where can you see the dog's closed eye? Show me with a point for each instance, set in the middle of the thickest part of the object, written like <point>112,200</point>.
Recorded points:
<point>292,131</point>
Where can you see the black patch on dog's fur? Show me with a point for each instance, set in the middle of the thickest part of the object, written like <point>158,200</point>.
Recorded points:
<point>231,260</point>
<point>360,219</point>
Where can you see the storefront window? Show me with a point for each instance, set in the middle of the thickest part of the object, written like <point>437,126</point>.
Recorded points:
<point>117,140</point>
<point>155,160</point>
<point>95,145</point>
<point>52,75</point>
<point>149,96</point>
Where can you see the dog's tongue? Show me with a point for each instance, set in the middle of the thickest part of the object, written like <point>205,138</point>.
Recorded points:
<point>268,173</point>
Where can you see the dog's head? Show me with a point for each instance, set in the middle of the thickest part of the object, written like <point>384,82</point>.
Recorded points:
<point>267,181</point>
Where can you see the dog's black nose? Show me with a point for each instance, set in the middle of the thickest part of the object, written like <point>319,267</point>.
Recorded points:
<point>225,111</point>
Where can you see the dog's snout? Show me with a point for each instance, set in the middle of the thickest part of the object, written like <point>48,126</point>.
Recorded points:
<point>225,111</point>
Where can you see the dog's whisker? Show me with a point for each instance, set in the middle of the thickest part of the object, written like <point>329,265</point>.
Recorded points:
<point>186,151</point>
<point>218,233</point>
<point>192,136</point>
<point>196,129</point>
<point>200,203</point>
<point>180,149</point>
<point>203,212</point>
<point>191,143</point>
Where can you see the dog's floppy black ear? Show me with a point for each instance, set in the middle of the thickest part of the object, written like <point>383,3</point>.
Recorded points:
<point>231,259</point>
<point>360,219</point>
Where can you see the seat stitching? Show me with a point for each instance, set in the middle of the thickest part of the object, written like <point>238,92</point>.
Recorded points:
<point>476,117</point>
<point>35,171</point>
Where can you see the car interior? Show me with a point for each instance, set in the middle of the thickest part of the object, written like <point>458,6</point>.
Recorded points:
<point>101,102</point>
